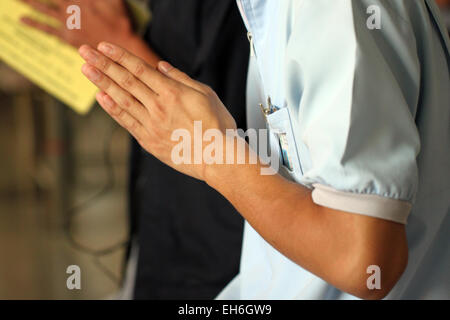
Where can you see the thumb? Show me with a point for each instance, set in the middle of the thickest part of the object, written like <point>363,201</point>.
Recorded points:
<point>179,76</point>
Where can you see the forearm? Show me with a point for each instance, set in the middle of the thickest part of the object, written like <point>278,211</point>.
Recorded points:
<point>336,246</point>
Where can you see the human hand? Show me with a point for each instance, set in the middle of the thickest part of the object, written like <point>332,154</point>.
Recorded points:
<point>443,3</point>
<point>100,20</point>
<point>151,104</point>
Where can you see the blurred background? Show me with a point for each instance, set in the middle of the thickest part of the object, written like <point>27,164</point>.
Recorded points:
<point>63,199</point>
<point>63,180</point>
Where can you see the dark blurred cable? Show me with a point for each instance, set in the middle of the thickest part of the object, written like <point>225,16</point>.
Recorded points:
<point>79,208</point>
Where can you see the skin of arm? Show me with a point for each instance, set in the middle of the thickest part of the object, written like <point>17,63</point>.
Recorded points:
<point>337,246</point>
<point>334,245</point>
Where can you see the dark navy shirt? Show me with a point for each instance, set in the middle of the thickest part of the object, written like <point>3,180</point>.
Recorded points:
<point>189,236</point>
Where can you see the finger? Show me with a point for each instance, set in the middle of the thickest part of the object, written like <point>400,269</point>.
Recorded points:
<point>41,26</point>
<point>118,74</point>
<point>148,75</point>
<point>122,98</point>
<point>177,75</point>
<point>47,9</point>
<point>123,118</point>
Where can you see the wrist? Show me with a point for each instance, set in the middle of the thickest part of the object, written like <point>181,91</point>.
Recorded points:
<point>215,173</point>
<point>238,161</point>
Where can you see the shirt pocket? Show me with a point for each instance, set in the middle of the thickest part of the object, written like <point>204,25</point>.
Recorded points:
<point>282,142</point>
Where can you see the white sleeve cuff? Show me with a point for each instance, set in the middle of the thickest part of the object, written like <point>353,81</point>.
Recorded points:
<point>365,204</point>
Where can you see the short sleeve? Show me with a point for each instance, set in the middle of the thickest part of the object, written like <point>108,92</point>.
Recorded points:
<point>355,112</point>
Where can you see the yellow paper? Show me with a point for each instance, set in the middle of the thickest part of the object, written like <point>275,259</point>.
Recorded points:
<point>45,60</point>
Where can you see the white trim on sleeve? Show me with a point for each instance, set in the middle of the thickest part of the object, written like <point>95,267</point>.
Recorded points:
<point>365,204</point>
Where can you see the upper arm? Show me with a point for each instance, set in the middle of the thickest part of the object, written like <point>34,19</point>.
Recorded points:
<point>355,117</point>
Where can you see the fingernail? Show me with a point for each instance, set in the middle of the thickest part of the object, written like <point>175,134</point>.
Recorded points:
<point>90,56</point>
<point>165,66</point>
<point>106,48</point>
<point>92,73</point>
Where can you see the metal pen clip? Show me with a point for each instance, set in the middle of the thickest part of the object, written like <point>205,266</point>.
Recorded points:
<point>265,111</point>
<point>269,109</point>
<point>270,105</point>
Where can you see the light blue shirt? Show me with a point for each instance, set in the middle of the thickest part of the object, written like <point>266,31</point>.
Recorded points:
<point>369,117</point>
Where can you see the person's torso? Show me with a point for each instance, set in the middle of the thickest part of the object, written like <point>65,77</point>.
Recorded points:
<point>267,274</point>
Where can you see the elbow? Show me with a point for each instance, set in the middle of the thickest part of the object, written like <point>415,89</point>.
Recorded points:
<point>386,287</point>
<point>374,281</point>
<point>382,292</point>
